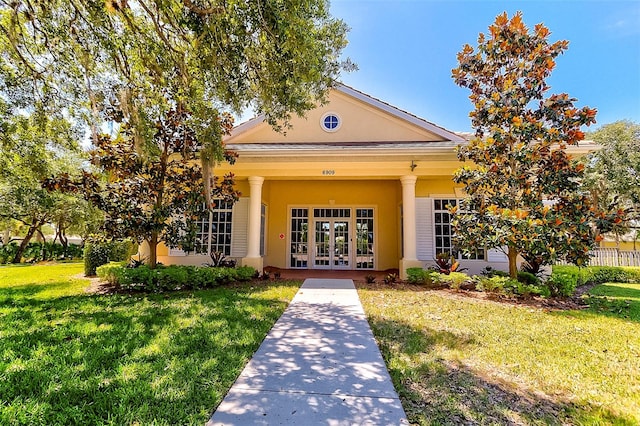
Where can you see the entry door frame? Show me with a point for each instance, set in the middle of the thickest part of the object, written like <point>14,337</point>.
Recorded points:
<point>305,246</point>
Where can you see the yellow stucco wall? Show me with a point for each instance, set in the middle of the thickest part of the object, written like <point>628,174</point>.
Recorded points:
<point>436,185</point>
<point>384,196</point>
<point>360,122</point>
<point>622,245</point>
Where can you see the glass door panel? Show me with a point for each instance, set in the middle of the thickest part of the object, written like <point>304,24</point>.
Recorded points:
<point>340,239</point>
<point>322,253</point>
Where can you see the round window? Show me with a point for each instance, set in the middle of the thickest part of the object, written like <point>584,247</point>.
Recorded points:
<point>330,122</point>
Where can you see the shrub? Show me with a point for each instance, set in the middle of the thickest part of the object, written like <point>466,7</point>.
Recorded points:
<point>97,253</point>
<point>582,275</point>
<point>391,278</point>
<point>517,288</point>
<point>371,278</point>
<point>8,252</point>
<point>493,284</point>
<point>245,273</point>
<point>111,272</point>
<point>562,284</point>
<point>488,271</point>
<point>418,276</point>
<point>121,251</point>
<point>219,259</point>
<point>599,274</point>
<point>605,274</point>
<point>453,280</point>
<point>170,278</point>
<point>528,278</point>
<point>446,264</point>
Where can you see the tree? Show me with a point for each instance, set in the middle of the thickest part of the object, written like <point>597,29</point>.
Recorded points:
<point>33,147</point>
<point>134,61</point>
<point>524,193</point>
<point>131,63</point>
<point>157,199</point>
<point>613,172</point>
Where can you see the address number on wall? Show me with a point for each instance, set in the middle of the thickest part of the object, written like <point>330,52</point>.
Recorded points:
<point>328,172</point>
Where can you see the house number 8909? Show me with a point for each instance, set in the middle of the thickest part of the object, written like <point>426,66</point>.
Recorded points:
<point>328,172</point>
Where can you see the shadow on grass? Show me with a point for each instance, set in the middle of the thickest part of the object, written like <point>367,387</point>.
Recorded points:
<point>615,300</point>
<point>625,291</point>
<point>438,392</point>
<point>123,359</point>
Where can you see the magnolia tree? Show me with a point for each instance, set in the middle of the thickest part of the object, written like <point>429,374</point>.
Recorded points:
<point>157,199</point>
<point>523,190</point>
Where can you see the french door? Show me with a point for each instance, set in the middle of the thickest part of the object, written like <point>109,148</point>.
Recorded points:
<point>332,238</point>
<point>332,244</point>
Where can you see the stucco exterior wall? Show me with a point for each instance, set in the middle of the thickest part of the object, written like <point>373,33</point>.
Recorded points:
<point>383,196</point>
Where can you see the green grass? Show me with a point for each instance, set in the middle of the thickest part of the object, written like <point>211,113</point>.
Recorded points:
<point>67,357</point>
<point>617,300</point>
<point>458,360</point>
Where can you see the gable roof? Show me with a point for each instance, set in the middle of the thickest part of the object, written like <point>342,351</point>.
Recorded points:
<point>443,134</point>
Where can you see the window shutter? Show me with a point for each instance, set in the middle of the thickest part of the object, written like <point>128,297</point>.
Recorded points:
<point>240,223</point>
<point>424,228</point>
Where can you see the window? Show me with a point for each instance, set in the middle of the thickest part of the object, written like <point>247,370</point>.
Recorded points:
<point>330,122</point>
<point>221,223</point>
<point>337,213</point>
<point>444,231</point>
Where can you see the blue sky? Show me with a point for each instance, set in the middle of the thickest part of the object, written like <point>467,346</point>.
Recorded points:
<point>405,50</point>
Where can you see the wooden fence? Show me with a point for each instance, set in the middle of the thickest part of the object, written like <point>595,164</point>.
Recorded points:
<point>614,257</point>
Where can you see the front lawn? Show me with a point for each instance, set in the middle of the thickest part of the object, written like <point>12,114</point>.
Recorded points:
<point>462,360</point>
<point>617,299</point>
<point>67,357</point>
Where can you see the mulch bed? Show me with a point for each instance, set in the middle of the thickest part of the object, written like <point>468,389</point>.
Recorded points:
<point>553,304</point>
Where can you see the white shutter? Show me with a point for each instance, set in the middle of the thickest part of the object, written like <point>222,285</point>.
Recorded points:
<point>239,227</point>
<point>424,228</point>
<point>495,255</point>
<point>176,252</point>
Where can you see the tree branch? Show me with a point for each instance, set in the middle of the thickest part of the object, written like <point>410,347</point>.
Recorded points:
<point>203,11</point>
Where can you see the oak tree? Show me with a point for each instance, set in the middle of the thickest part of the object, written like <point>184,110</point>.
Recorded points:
<point>523,189</point>
<point>133,61</point>
<point>33,147</point>
<point>613,172</point>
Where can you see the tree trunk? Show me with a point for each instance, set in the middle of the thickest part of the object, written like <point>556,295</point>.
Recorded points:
<point>44,242</point>
<point>23,245</point>
<point>153,250</point>
<point>6,236</point>
<point>513,265</point>
<point>64,241</point>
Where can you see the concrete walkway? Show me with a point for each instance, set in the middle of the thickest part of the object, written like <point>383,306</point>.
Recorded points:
<point>319,365</point>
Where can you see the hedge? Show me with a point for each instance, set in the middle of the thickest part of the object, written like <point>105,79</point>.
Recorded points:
<point>173,277</point>
<point>100,253</point>
<point>599,274</point>
<point>37,251</point>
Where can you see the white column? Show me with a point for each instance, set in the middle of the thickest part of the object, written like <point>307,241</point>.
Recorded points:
<point>410,258</point>
<point>255,204</point>
<point>409,216</point>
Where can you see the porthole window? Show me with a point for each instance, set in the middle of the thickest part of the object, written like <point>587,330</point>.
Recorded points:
<point>330,122</point>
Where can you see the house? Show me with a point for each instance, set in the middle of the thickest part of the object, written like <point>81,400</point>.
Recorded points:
<point>356,185</point>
